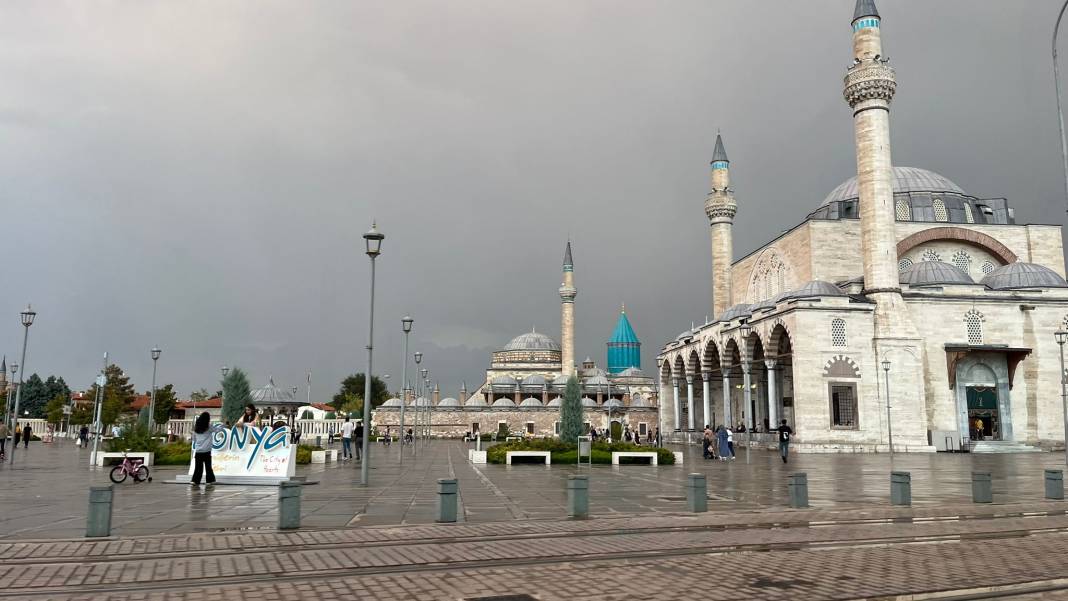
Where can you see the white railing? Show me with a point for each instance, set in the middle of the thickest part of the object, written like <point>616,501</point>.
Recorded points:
<point>309,428</point>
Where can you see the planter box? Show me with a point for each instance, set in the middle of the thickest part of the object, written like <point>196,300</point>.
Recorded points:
<point>678,458</point>
<point>318,456</point>
<point>476,456</point>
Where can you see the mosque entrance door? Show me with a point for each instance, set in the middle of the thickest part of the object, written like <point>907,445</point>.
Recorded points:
<point>983,419</point>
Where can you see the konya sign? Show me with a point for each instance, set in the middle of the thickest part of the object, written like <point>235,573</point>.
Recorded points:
<point>250,451</point>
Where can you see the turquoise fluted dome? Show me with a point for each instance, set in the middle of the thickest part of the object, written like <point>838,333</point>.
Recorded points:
<point>624,348</point>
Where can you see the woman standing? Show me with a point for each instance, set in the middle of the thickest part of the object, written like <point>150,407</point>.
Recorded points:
<point>724,444</point>
<point>250,417</point>
<point>203,432</point>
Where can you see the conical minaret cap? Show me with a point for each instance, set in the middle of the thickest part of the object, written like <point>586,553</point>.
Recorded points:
<point>720,153</point>
<point>568,262</point>
<point>865,8</point>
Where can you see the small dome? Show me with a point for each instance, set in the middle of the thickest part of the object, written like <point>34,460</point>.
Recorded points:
<point>768,303</point>
<point>448,402</point>
<point>534,380</point>
<point>503,403</point>
<point>813,289</point>
<point>503,381</point>
<point>588,402</point>
<point>561,380</point>
<point>420,402</point>
<point>532,341</point>
<point>474,402</point>
<point>613,403</point>
<point>737,311</point>
<point>630,372</point>
<point>531,402</point>
<point>391,403</point>
<point>903,179</point>
<point>595,381</point>
<point>927,273</point>
<point>684,335</point>
<point>1023,275</point>
<point>554,403</point>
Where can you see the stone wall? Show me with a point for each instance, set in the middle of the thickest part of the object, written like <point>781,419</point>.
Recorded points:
<point>457,422</point>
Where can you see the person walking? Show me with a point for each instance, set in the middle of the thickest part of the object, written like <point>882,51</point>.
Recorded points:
<point>27,432</point>
<point>388,439</point>
<point>730,441</point>
<point>358,439</point>
<point>83,436</point>
<point>3,439</point>
<point>785,432</point>
<point>723,438</point>
<point>203,432</point>
<point>706,443</point>
<point>346,439</point>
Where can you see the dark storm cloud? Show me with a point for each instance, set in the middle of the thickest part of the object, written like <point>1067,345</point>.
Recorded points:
<point>197,175</point>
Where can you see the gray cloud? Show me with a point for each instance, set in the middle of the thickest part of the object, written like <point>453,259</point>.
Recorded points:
<point>197,175</point>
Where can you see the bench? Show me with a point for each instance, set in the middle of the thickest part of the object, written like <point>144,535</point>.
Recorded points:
<point>647,454</point>
<point>476,456</point>
<point>513,439</point>
<point>508,456</point>
<point>324,456</point>
<point>102,459</point>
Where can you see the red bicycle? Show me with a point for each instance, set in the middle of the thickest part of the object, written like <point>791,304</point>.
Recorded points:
<point>130,467</point>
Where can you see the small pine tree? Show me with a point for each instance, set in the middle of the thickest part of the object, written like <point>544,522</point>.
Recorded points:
<point>236,394</point>
<point>571,412</point>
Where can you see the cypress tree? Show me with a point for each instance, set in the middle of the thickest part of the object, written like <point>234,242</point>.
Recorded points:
<point>571,412</point>
<point>236,394</point>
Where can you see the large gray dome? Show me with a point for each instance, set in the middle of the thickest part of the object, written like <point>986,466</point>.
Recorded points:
<point>813,289</point>
<point>1023,275</point>
<point>926,273</point>
<point>532,341</point>
<point>904,179</point>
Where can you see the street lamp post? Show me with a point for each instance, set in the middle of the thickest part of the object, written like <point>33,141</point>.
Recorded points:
<point>9,410</point>
<point>27,317</point>
<point>1062,337</point>
<point>418,393</point>
<point>222,398</point>
<point>152,402</point>
<point>425,384</point>
<point>373,247</point>
<point>889,426</point>
<point>1057,87</point>
<point>406,327</point>
<point>747,394</point>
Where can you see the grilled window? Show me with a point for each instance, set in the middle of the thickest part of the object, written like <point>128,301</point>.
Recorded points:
<point>939,210</point>
<point>838,332</point>
<point>973,321</point>
<point>843,406</point>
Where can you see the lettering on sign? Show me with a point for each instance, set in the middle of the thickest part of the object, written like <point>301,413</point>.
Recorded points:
<point>252,451</point>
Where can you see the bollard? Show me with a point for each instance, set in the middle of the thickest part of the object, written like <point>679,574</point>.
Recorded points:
<point>289,505</point>
<point>447,493</point>
<point>1055,484</point>
<point>798,487</point>
<point>98,522</point>
<point>578,497</point>
<point>696,493</point>
<point>982,488</point>
<point>900,488</point>
<point>319,441</point>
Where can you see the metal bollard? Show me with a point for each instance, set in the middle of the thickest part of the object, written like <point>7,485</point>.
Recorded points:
<point>696,493</point>
<point>900,488</point>
<point>447,493</point>
<point>798,487</point>
<point>289,505</point>
<point>1055,484</point>
<point>319,441</point>
<point>98,522</point>
<point>578,497</point>
<point>982,488</point>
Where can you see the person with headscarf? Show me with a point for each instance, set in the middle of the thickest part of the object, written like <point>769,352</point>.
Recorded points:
<point>724,445</point>
<point>203,433</point>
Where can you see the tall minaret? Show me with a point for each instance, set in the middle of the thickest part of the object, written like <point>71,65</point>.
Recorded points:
<point>720,208</point>
<point>567,315</point>
<point>869,88</point>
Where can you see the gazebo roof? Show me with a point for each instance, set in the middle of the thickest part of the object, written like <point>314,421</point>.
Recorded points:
<point>273,396</point>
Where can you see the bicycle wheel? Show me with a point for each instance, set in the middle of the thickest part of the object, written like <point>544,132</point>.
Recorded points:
<point>118,475</point>
<point>142,473</point>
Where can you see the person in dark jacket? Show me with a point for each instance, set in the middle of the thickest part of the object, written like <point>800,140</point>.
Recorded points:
<point>27,433</point>
<point>203,432</point>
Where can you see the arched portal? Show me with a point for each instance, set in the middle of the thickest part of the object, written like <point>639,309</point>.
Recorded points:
<point>678,389</point>
<point>779,362</point>
<point>711,385</point>
<point>735,410</point>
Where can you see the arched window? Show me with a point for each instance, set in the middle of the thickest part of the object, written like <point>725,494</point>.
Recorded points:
<point>939,210</point>
<point>931,255</point>
<point>963,261</point>
<point>904,264</point>
<point>973,321</point>
<point>904,212</point>
<point>782,280</point>
<point>988,267</point>
<point>838,332</point>
<point>968,216</point>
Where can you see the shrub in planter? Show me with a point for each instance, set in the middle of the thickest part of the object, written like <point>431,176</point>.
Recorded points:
<point>304,452</point>
<point>174,453</point>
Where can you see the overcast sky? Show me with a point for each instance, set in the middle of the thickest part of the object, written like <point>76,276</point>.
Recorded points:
<point>197,175</point>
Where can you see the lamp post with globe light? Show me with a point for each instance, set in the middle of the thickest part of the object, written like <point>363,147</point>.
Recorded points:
<point>1061,336</point>
<point>27,317</point>
<point>421,407</point>
<point>418,393</point>
<point>406,327</point>
<point>889,426</point>
<point>9,411</point>
<point>152,402</point>
<point>373,247</point>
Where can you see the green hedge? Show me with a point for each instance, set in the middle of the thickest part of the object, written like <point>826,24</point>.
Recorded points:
<point>174,453</point>
<point>564,453</point>
<point>304,452</point>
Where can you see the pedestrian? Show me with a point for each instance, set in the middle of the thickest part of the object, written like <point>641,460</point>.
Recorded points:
<point>388,439</point>
<point>170,432</point>
<point>785,432</point>
<point>410,436</point>
<point>296,434</point>
<point>626,435</point>
<point>656,436</point>
<point>83,436</point>
<point>346,439</point>
<point>18,435</point>
<point>358,439</point>
<point>3,438</point>
<point>203,433</point>
<point>637,439</point>
<point>27,432</point>
<point>706,443</point>
<point>730,442</point>
<point>723,437</point>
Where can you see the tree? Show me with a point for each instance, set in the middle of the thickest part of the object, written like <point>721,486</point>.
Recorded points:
<point>118,394</point>
<point>82,414</point>
<point>165,401</point>
<point>354,385</point>
<point>199,396</point>
<point>34,396</point>
<point>353,405</point>
<point>54,409</point>
<point>236,394</point>
<point>3,400</point>
<point>571,412</point>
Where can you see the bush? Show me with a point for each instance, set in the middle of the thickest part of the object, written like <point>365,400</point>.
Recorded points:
<point>563,453</point>
<point>135,437</point>
<point>174,453</point>
<point>304,452</point>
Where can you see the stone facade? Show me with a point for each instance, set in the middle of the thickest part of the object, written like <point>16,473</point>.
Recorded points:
<point>532,422</point>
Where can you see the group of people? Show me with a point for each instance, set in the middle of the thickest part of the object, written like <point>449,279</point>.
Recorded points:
<point>23,435</point>
<point>628,435</point>
<point>718,443</point>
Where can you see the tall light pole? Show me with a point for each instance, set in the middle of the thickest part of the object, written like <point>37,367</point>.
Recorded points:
<point>1062,337</point>
<point>152,401</point>
<point>27,317</point>
<point>222,397</point>
<point>889,426</point>
<point>1057,86</point>
<point>418,392</point>
<point>424,385</point>
<point>9,410</point>
<point>373,247</point>
<point>406,327</point>
<point>98,409</point>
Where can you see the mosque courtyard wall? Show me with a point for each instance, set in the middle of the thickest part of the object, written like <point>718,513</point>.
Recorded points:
<point>457,422</point>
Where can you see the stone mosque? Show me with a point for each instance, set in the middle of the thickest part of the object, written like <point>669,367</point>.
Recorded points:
<point>525,383</point>
<point>904,310</point>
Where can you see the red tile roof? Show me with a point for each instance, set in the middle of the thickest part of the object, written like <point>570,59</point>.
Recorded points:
<point>322,407</point>
<point>212,403</point>
<point>139,401</point>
